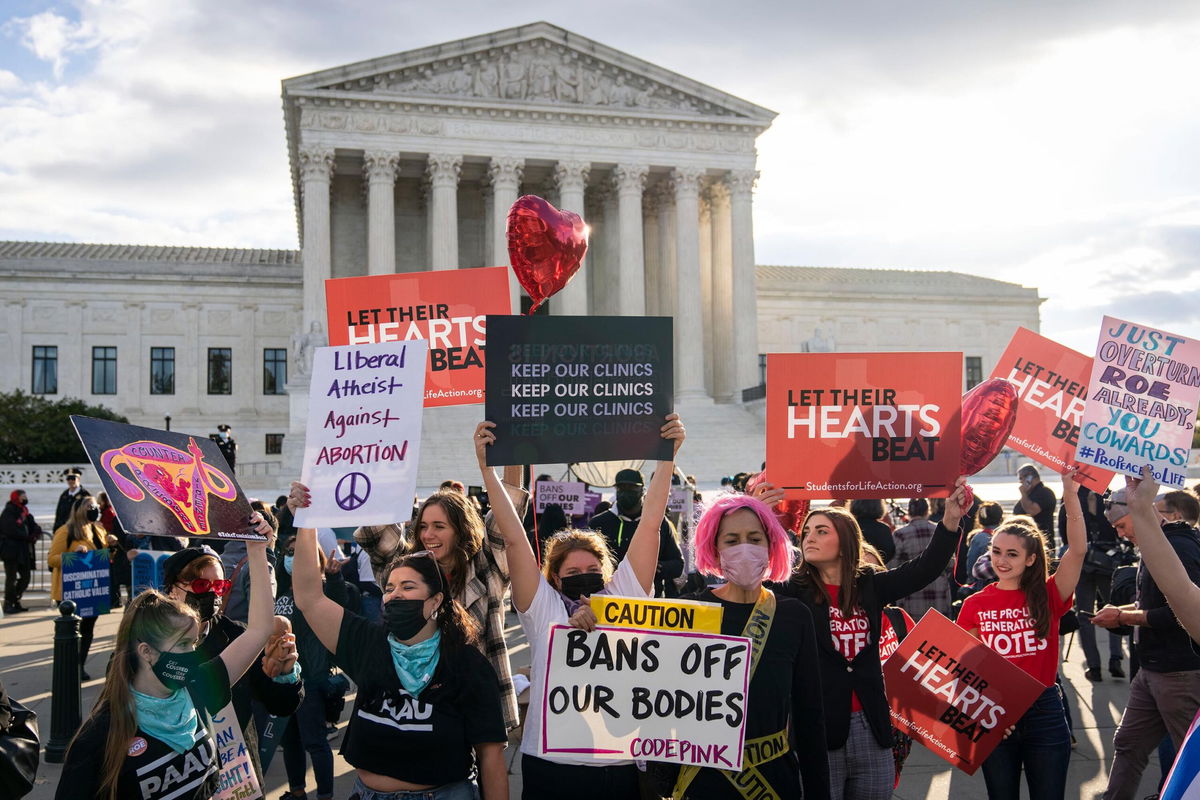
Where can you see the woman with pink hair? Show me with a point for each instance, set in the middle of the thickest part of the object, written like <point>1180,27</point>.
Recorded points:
<point>740,540</point>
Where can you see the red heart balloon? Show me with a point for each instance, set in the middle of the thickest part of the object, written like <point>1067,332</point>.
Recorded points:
<point>545,246</point>
<point>989,412</point>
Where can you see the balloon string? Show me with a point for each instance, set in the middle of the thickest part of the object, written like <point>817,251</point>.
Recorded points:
<point>537,541</point>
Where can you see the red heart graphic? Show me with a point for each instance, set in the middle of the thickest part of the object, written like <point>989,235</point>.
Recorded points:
<point>545,246</point>
<point>989,412</point>
<point>791,513</point>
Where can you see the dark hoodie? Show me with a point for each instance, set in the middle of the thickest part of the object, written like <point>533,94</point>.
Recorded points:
<point>1162,644</point>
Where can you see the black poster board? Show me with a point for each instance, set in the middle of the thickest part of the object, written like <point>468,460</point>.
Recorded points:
<point>571,389</point>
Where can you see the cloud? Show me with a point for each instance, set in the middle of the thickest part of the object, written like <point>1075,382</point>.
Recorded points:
<point>51,37</point>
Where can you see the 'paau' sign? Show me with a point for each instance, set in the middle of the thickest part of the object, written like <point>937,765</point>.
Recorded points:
<point>364,434</point>
<point>618,694</point>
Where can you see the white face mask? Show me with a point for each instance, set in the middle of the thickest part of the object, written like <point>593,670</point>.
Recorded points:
<point>744,564</point>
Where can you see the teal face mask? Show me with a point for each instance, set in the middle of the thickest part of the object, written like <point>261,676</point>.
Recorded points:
<point>287,564</point>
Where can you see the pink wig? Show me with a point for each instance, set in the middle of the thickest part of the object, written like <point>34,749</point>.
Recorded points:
<point>778,545</point>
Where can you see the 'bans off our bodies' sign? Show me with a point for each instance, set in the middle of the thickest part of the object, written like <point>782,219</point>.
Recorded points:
<point>1052,383</point>
<point>569,495</point>
<point>864,424</point>
<point>1141,406</point>
<point>447,308</point>
<point>621,693</point>
<point>364,434</point>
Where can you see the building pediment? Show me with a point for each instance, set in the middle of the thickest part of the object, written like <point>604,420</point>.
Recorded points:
<point>533,65</point>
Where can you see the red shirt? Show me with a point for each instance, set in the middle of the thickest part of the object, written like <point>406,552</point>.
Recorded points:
<point>850,635</point>
<point>889,640</point>
<point>1005,626</point>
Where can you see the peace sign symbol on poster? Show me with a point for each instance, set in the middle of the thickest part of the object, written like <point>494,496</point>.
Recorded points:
<point>352,491</point>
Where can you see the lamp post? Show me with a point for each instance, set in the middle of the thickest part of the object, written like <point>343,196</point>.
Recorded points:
<point>167,420</point>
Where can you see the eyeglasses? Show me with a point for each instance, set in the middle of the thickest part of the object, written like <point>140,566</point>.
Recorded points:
<point>203,586</point>
<point>1110,503</point>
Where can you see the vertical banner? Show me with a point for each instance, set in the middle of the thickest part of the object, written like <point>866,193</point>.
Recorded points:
<point>1052,383</point>
<point>85,581</point>
<point>864,425</point>
<point>448,308</point>
<point>364,434</point>
<point>570,389</point>
<point>165,483</point>
<point>1141,405</point>
<point>953,693</point>
<point>238,781</point>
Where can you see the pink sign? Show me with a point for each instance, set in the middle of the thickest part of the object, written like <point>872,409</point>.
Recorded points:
<point>1141,405</point>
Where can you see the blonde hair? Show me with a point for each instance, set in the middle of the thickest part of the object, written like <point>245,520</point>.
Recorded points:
<point>151,617</point>
<point>563,543</point>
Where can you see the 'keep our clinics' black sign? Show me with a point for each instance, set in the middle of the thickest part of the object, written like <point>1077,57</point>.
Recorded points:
<point>572,389</point>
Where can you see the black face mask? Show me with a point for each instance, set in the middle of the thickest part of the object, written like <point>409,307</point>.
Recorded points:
<point>585,583</point>
<point>404,618</point>
<point>628,500</point>
<point>176,670</point>
<point>206,605</point>
<point>93,514</point>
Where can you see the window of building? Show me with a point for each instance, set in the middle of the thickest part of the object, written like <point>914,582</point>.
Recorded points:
<point>104,370</point>
<point>162,370</point>
<point>45,369</point>
<point>762,369</point>
<point>974,370</point>
<point>274,370</point>
<point>220,380</point>
<point>274,444</point>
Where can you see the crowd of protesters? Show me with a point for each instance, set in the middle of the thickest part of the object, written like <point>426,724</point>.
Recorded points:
<point>413,615</point>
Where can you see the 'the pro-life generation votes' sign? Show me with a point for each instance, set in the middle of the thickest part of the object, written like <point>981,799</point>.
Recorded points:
<point>572,389</point>
<point>363,439</point>
<point>1141,405</point>
<point>864,424</point>
<point>447,308</point>
<point>1052,383</point>
<point>620,693</point>
<point>954,693</point>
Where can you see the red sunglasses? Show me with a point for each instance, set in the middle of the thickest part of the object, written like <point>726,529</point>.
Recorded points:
<point>204,586</point>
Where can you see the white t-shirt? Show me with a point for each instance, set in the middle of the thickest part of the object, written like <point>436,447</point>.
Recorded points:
<point>548,609</point>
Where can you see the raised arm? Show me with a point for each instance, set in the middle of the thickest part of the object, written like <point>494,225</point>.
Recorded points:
<point>925,568</point>
<point>1066,577</point>
<point>260,621</point>
<point>323,615</point>
<point>1160,558</point>
<point>643,548</point>
<point>522,563</point>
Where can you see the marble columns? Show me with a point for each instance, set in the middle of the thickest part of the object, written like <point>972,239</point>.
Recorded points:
<point>443,173</point>
<point>380,170</point>
<point>630,280</point>
<point>688,313</point>
<point>744,294</point>
<point>724,359</point>
<point>572,179</point>
<point>505,174</point>
<point>316,171</point>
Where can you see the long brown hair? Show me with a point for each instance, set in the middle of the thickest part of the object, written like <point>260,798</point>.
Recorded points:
<point>563,543</point>
<point>151,617</point>
<point>1033,579</point>
<point>468,533</point>
<point>458,628</point>
<point>850,566</point>
<point>80,528</point>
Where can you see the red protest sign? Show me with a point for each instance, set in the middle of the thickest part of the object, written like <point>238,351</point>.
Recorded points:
<point>954,693</point>
<point>864,424</point>
<point>447,307</point>
<point>1051,380</point>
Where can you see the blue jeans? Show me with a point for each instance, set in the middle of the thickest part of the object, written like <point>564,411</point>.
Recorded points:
<point>1041,743</point>
<point>463,790</point>
<point>306,733</point>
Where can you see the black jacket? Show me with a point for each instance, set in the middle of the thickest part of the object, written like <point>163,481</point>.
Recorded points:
<point>17,538</point>
<point>65,503</point>
<point>618,531</point>
<point>864,675</point>
<point>1162,644</point>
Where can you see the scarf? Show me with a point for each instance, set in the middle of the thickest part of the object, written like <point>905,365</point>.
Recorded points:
<point>170,719</point>
<point>415,663</point>
<point>22,511</point>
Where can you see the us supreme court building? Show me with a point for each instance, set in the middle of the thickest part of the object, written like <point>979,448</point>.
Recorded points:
<point>410,162</point>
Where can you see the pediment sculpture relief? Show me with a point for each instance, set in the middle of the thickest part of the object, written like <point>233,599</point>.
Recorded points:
<point>543,74</point>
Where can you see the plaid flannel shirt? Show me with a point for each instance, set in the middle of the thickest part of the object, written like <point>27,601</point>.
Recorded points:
<point>911,540</point>
<point>483,592</point>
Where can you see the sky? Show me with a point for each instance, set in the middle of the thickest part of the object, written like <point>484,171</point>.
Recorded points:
<point>1048,143</point>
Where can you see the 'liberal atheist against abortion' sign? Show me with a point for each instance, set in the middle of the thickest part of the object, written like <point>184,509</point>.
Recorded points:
<point>363,440</point>
<point>572,389</point>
